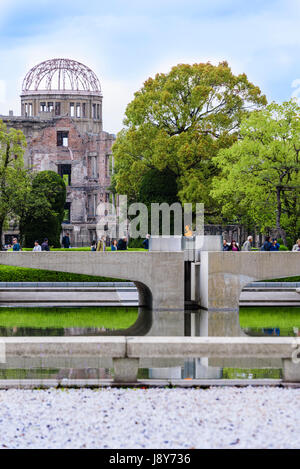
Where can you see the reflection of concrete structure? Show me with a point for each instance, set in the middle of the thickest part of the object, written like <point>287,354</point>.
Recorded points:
<point>61,117</point>
<point>127,351</point>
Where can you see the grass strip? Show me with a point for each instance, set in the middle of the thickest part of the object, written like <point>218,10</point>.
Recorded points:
<point>270,317</point>
<point>44,318</point>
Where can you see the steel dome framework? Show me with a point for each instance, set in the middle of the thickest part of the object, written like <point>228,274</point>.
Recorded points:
<point>61,75</point>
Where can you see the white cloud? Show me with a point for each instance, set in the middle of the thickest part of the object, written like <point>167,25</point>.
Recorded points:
<point>124,49</point>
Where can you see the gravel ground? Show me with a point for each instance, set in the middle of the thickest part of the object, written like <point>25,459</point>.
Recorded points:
<point>150,418</point>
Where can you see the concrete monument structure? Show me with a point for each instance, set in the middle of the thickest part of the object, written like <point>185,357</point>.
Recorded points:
<point>160,276</point>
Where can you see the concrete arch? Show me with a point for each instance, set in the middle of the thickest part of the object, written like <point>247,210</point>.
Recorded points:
<point>223,276</point>
<point>159,276</point>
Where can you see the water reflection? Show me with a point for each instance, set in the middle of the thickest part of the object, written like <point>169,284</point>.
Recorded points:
<point>149,323</point>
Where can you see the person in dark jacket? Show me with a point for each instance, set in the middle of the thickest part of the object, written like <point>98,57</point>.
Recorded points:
<point>267,244</point>
<point>45,246</point>
<point>275,246</point>
<point>226,246</point>
<point>16,245</point>
<point>122,244</point>
<point>66,241</point>
<point>146,242</point>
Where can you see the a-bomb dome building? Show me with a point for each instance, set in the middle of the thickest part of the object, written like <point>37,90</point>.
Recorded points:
<point>61,117</point>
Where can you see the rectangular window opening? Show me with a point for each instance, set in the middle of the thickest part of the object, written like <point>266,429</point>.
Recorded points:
<point>93,163</point>
<point>64,170</point>
<point>62,138</point>
<point>67,212</point>
<point>72,110</point>
<point>57,109</point>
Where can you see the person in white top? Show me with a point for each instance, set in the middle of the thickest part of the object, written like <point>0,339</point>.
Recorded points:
<point>37,247</point>
<point>296,246</point>
<point>247,246</point>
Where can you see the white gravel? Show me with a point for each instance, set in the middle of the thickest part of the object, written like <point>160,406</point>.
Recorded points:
<point>150,418</point>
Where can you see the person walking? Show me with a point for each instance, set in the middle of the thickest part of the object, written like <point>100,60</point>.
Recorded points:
<point>233,246</point>
<point>122,244</point>
<point>101,244</point>
<point>66,241</point>
<point>275,246</point>
<point>37,247</point>
<point>296,246</point>
<point>45,245</point>
<point>247,246</point>
<point>267,244</point>
<point>146,242</point>
<point>16,245</point>
<point>94,245</point>
<point>114,246</point>
<point>226,246</point>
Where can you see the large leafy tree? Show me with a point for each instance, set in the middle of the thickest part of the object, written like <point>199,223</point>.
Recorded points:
<point>260,174</point>
<point>43,210</point>
<point>179,121</point>
<point>13,176</point>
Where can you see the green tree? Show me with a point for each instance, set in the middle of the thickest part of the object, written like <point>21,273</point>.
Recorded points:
<point>260,174</point>
<point>158,187</point>
<point>13,177</point>
<point>43,210</point>
<point>179,121</point>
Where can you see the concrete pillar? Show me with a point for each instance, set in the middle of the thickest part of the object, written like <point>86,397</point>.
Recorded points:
<point>290,370</point>
<point>126,370</point>
<point>195,281</point>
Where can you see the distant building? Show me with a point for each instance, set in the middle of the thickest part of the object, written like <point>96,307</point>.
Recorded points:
<point>61,117</point>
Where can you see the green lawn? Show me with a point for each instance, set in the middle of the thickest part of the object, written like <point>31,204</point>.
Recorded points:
<point>270,317</point>
<point>252,373</point>
<point>43,318</point>
<point>10,273</point>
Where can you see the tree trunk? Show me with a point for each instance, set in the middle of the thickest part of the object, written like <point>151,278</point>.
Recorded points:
<point>278,215</point>
<point>1,230</point>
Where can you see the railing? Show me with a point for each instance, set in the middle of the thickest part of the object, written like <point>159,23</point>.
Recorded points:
<point>127,351</point>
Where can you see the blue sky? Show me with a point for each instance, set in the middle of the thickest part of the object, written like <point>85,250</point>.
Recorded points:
<point>125,42</point>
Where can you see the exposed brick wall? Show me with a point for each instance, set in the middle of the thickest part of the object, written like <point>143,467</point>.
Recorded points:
<point>42,153</point>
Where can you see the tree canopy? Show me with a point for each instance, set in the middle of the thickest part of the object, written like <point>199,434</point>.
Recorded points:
<point>179,121</point>
<point>260,174</point>
<point>13,177</point>
<point>43,209</point>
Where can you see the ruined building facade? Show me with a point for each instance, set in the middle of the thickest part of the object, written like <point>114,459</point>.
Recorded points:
<point>61,117</point>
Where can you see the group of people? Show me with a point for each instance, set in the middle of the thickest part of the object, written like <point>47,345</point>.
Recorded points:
<point>37,246</point>
<point>120,245</point>
<point>268,245</point>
